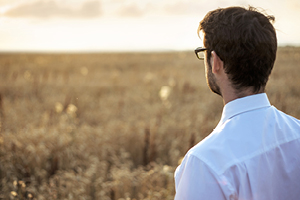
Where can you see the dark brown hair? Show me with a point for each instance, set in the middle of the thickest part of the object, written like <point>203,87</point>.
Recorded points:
<point>245,40</point>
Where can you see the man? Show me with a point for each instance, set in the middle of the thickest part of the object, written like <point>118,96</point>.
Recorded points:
<point>254,152</point>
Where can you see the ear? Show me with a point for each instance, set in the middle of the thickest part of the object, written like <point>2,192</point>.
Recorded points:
<point>216,62</point>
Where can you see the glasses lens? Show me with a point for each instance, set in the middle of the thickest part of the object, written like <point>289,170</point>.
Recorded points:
<point>200,55</point>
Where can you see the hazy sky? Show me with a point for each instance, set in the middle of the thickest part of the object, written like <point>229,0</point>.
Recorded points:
<point>123,25</point>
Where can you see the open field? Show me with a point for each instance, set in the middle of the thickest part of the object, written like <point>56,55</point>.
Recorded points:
<point>110,126</point>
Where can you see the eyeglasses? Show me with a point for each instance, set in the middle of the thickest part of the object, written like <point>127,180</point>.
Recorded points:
<point>200,53</point>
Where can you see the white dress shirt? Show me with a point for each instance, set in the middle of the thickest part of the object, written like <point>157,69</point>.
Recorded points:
<point>252,154</point>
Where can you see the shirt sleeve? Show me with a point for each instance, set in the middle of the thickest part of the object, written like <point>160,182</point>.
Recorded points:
<point>194,180</point>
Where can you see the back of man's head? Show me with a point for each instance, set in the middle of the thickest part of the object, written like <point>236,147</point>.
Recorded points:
<point>245,40</point>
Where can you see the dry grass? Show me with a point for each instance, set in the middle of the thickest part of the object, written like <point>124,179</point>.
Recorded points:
<point>102,126</point>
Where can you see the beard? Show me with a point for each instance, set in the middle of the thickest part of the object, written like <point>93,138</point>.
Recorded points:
<point>211,80</point>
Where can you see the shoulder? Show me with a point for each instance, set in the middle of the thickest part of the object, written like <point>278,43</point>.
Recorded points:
<point>194,178</point>
<point>211,151</point>
<point>244,136</point>
<point>285,118</point>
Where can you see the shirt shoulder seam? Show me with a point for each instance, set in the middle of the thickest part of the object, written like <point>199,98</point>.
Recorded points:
<point>219,176</point>
<point>254,154</point>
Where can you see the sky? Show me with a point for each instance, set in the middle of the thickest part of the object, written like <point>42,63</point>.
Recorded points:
<point>123,25</point>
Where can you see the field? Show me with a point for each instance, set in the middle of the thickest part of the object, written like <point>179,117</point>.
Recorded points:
<point>110,125</point>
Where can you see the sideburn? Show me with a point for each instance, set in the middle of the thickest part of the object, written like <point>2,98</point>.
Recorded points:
<point>210,78</point>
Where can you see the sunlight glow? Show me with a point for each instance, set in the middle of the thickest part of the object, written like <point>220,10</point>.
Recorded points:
<point>129,25</point>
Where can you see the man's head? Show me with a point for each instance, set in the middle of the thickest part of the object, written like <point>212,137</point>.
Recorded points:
<point>245,40</point>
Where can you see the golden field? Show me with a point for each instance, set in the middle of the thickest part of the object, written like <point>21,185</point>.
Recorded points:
<point>110,125</point>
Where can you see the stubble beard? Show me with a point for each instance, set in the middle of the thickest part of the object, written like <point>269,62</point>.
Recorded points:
<point>211,81</point>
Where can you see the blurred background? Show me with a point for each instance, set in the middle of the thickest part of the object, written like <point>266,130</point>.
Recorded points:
<point>123,25</point>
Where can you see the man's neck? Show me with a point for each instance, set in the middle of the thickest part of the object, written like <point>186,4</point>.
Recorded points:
<point>232,94</point>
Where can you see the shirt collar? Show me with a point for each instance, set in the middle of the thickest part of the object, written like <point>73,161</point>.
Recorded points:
<point>242,105</point>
